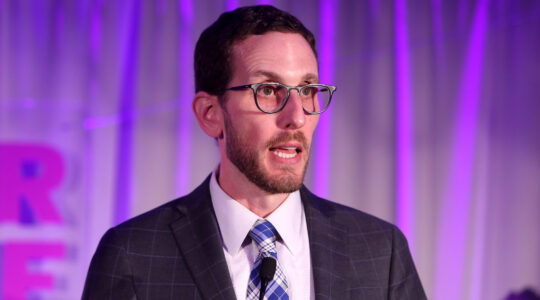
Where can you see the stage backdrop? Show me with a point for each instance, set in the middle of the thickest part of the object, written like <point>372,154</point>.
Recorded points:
<point>435,126</point>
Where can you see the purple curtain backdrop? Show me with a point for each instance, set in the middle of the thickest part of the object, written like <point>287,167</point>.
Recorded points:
<point>435,127</point>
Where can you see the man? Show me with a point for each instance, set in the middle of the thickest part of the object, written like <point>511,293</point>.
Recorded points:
<point>252,225</point>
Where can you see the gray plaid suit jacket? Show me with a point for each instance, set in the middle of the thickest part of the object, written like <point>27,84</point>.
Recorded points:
<point>175,252</point>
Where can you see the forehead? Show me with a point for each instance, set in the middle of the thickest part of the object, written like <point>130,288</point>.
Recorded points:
<point>287,55</point>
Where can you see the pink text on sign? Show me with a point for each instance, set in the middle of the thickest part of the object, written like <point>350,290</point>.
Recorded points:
<point>18,276</point>
<point>28,175</point>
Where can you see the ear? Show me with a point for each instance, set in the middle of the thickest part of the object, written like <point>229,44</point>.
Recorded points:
<point>208,113</point>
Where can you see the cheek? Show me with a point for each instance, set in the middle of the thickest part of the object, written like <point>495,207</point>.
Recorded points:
<point>261,128</point>
<point>252,134</point>
<point>311,126</point>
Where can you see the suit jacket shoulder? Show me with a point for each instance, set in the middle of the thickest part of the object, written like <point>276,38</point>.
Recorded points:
<point>354,252</point>
<point>171,252</point>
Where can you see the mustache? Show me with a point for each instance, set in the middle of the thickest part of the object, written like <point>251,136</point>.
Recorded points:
<point>285,137</point>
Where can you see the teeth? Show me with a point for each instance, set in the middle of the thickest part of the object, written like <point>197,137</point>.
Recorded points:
<point>284,155</point>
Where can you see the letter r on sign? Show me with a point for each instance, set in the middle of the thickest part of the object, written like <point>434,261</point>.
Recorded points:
<point>30,172</point>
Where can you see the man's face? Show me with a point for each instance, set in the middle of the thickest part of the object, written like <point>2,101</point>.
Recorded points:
<point>270,150</point>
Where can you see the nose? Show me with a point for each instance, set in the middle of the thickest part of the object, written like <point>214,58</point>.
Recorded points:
<point>292,116</point>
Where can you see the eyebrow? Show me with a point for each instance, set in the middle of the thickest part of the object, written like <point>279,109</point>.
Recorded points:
<point>310,77</point>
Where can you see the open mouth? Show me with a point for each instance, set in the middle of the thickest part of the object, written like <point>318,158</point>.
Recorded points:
<point>286,151</point>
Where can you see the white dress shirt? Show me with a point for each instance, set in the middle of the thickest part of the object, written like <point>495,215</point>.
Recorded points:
<point>235,222</point>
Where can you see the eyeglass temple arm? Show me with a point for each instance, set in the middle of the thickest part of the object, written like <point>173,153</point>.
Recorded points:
<point>240,87</point>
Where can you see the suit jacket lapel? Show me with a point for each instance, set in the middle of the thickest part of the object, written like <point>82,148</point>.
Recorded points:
<point>328,247</point>
<point>198,238</point>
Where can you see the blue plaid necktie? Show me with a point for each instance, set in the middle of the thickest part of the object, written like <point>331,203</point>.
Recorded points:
<point>264,235</point>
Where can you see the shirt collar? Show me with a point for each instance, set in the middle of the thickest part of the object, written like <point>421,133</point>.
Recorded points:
<point>235,220</point>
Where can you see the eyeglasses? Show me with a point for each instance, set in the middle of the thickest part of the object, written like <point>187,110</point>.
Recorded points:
<point>271,97</point>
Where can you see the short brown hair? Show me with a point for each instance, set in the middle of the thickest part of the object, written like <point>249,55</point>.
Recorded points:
<point>213,51</point>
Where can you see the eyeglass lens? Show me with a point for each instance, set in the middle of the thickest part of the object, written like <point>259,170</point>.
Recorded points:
<point>270,97</point>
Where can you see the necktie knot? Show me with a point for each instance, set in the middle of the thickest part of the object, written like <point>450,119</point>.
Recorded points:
<point>264,234</point>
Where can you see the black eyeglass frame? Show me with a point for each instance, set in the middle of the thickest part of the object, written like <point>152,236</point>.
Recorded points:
<point>255,86</point>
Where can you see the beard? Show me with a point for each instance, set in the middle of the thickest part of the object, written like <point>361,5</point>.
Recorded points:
<point>250,162</point>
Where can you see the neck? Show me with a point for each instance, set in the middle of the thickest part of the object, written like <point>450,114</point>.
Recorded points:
<point>248,194</point>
